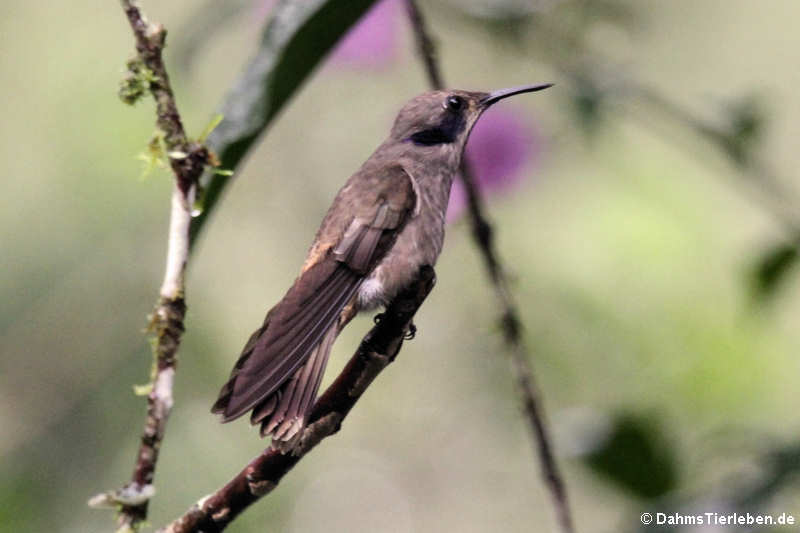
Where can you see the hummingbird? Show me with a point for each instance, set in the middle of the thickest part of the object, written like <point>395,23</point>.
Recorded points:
<point>385,223</point>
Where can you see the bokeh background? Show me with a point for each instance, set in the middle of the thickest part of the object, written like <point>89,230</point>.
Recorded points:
<point>645,208</point>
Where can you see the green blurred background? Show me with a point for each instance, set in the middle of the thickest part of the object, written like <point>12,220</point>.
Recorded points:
<point>669,381</point>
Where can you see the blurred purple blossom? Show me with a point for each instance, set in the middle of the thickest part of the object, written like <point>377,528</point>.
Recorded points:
<point>373,41</point>
<point>263,9</point>
<point>371,44</point>
<point>501,145</point>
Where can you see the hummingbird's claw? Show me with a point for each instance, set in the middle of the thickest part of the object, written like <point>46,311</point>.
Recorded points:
<point>411,333</point>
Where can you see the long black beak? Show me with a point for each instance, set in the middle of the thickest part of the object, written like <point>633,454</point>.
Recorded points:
<point>496,96</point>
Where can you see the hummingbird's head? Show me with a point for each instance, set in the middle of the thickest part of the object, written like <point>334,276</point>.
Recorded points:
<point>445,118</point>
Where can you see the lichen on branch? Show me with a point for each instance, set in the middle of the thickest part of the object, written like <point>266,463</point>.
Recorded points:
<point>147,75</point>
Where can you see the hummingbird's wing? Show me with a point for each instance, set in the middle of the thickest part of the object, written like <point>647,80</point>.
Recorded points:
<point>355,234</point>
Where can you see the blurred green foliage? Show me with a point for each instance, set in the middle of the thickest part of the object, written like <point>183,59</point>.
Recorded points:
<point>773,267</point>
<point>628,252</point>
<point>636,456</point>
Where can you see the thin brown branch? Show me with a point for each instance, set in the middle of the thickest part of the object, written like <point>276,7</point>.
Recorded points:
<point>378,348</point>
<point>512,332</point>
<point>425,45</point>
<point>187,160</point>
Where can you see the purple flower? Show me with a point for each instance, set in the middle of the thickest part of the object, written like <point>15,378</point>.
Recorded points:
<point>372,42</point>
<point>501,145</point>
<point>263,9</point>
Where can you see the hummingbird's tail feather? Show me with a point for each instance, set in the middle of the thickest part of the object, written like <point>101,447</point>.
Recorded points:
<point>293,330</point>
<point>288,416</point>
<point>225,393</point>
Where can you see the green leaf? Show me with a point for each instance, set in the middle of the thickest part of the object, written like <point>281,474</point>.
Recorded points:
<point>772,268</point>
<point>295,40</point>
<point>635,457</point>
<point>154,155</point>
<point>588,104</point>
<point>142,390</point>
<point>212,125</point>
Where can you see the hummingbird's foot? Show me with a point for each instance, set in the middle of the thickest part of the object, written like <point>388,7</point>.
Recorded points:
<point>412,329</point>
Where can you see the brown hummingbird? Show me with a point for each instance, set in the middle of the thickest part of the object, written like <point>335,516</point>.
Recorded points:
<point>384,225</point>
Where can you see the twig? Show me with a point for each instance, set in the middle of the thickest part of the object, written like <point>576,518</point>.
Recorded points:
<point>187,160</point>
<point>512,331</point>
<point>378,348</point>
<point>425,45</point>
<point>773,196</point>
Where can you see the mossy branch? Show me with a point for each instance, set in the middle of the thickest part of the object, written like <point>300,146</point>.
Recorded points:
<point>187,159</point>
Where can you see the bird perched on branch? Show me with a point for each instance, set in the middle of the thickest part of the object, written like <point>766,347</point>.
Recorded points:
<point>384,225</point>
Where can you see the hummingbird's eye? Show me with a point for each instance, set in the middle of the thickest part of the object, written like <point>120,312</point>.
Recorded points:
<point>454,103</point>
